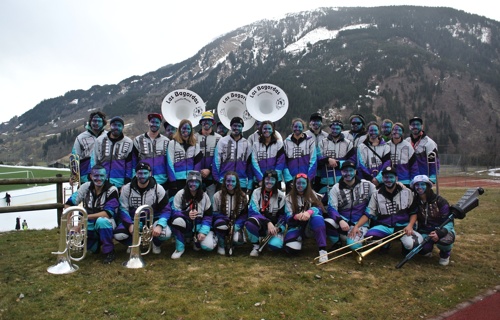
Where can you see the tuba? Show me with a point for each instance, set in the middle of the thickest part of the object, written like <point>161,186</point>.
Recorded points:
<point>182,104</point>
<point>142,237</point>
<point>233,104</point>
<point>267,102</point>
<point>72,240</point>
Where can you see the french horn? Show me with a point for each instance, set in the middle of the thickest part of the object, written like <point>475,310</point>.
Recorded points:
<point>182,104</point>
<point>233,104</point>
<point>267,102</point>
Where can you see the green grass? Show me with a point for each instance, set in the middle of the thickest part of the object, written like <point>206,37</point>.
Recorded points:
<point>273,286</point>
<point>21,173</point>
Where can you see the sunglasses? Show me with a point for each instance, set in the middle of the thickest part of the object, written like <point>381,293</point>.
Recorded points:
<point>301,175</point>
<point>356,123</point>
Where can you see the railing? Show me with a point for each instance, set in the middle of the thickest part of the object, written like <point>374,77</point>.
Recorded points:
<point>58,180</point>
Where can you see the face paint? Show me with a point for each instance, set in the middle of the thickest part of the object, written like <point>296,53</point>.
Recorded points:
<point>301,185</point>
<point>297,128</point>
<point>373,132</point>
<point>154,124</point>
<point>267,130</point>
<point>386,128</point>
<point>193,185</point>
<point>356,124</point>
<point>236,128</point>
<point>420,187</point>
<point>389,180</point>
<point>116,128</point>
<point>336,130</point>
<point>142,176</point>
<point>222,130</point>
<point>186,131</point>
<point>170,131</point>
<point>230,182</point>
<point>269,183</point>
<point>415,127</point>
<point>96,123</point>
<point>257,124</point>
<point>315,124</point>
<point>206,124</point>
<point>98,177</point>
<point>348,174</point>
<point>397,132</point>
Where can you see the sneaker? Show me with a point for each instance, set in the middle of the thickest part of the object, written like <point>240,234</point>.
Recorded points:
<point>177,254</point>
<point>254,253</point>
<point>444,261</point>
<point>196,246</point>
<point>156,249</point>
<point>428,255</point>
<point>323,256</point>
<point>221,251</point>
<point>109,258</point>
<point>129,249</point>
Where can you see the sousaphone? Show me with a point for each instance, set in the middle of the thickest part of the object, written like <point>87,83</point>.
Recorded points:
<point>231,105</point>
<point>267,102</point>
<point>182,104</point>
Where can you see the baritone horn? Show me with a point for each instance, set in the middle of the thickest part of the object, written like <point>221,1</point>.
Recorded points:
<point>182,104</point>
<point>72,240</point>
<point>141,238</point>
<point>233,104</point>
<point>267,102</point>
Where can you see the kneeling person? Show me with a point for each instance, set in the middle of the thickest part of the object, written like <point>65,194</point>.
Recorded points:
<point>100,200</point>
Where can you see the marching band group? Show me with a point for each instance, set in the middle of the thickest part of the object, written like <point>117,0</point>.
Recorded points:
<point>216,191</point>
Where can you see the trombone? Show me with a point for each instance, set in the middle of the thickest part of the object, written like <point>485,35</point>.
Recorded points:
<point>432,161</point>
<point>341,249</point>
<point>268,237</point>
<point>377,244</point>
<point>72,238</point>
<point>141,238</point>
<point>368,248</point>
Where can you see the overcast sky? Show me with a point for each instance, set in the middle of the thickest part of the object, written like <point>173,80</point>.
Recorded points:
<point>49,47</point>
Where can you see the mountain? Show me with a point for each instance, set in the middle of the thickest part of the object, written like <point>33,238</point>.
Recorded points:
<point>386,62</point>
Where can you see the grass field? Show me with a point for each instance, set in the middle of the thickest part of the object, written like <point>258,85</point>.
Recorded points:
<point>272,286</point>
<point>10,172</point>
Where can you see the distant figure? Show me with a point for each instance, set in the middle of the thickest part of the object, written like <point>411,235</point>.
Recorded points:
<point>7,199</point>
<point>25,225</point>
<point>18,223</point>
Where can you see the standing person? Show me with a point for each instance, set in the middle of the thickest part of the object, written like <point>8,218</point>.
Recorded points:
<point>315,131</point>
<point>347,203</point>
<point>7,199</point>
<point>85,141</point>
<point>254,137</point>
<point>100,199</point>
<point>169,130</point>
<point>386,129</point>
<point>357,134</point>
<point>233,153</point>
<point>143,190</point>
<point>426,150</point>
<point>25,225</point>
<point>206,140</point>
<point>304,217</point>
<point>373,155</point>
<point>18,223</point>
<point>267,153</point>
<point>113,151</point>
<point>402,155</point>
<point>390,209</point>
<point>266,214</point>
<point>229,211</point>
<point>151,147</point>
<point>183,156</point>
<point>221,129</point>
<point>300,154</point>
<point>432,211</point>
<point>192,216</point>
<point>333,151</point>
